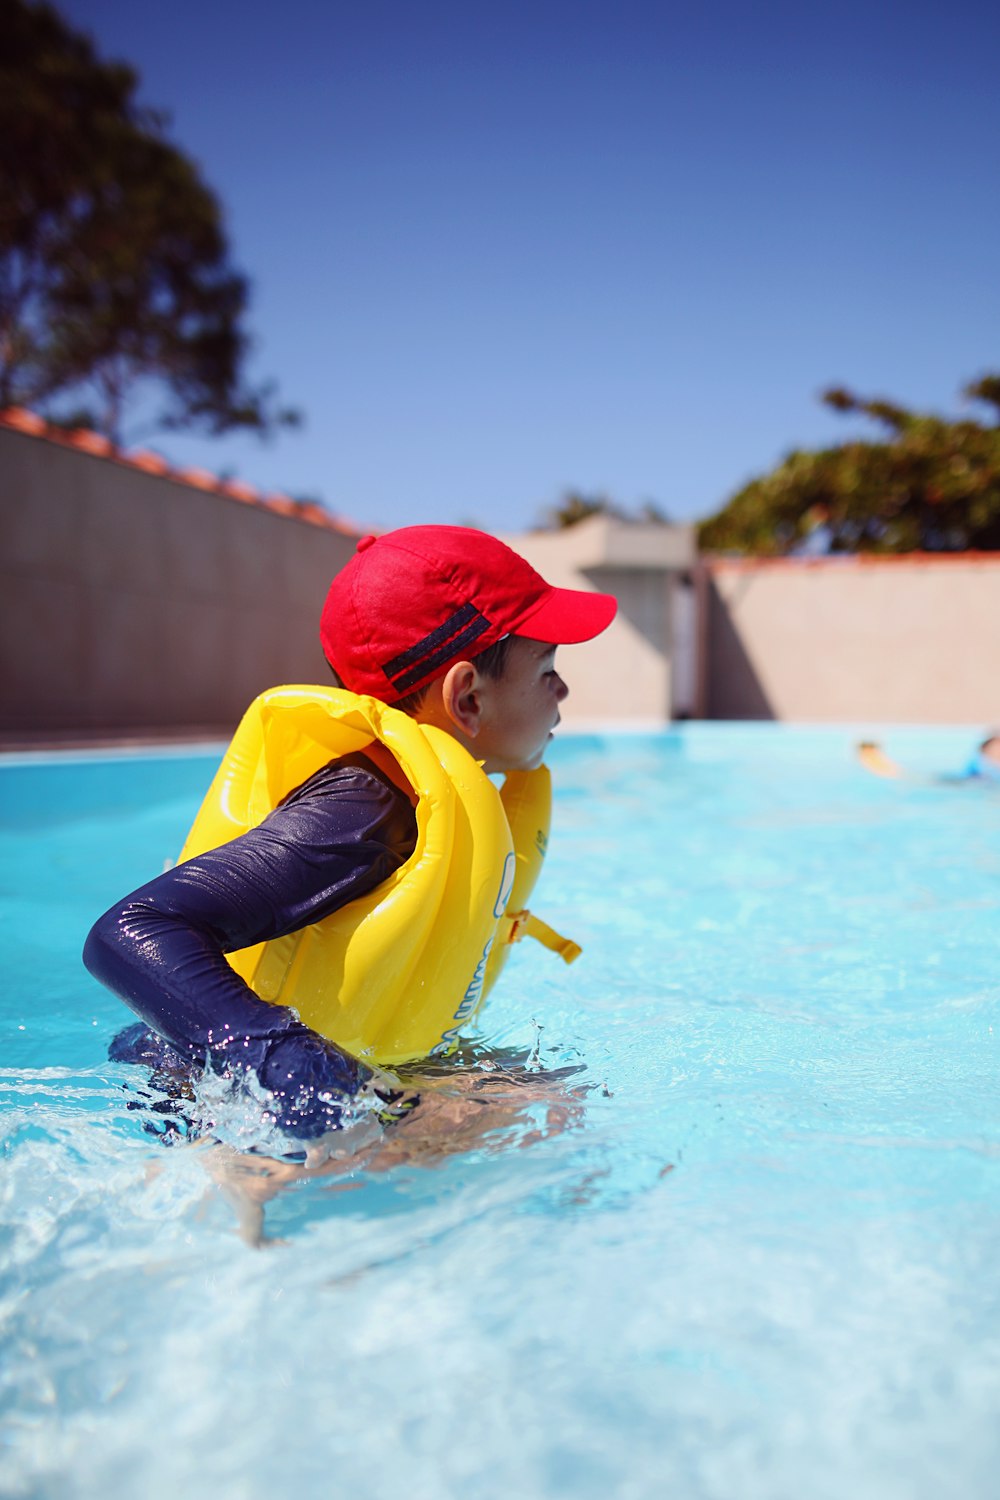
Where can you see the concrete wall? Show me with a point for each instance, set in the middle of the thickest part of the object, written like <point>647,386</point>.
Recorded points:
<point>140,601</point>
<point>133,599</point>
<point>893,640</point>
<point>626,675</point>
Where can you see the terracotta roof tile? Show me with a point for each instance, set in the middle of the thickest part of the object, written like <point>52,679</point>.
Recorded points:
<point>147,461</point>
<point>20,419</point>
<point>716,562</point>
<point>87,441</point>
<point>199,479</point>
<point>237,490</point>
<point>23,420</point>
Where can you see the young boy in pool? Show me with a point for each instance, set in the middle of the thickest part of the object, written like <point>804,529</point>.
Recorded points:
<point>450,626</point>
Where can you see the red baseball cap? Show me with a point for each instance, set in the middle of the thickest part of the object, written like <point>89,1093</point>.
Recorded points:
<point>413,601</point>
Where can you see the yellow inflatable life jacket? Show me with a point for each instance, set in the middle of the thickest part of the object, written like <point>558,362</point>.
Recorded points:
<point>398,973</point>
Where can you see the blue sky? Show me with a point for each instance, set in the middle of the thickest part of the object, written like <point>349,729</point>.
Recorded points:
<point>501,251</point>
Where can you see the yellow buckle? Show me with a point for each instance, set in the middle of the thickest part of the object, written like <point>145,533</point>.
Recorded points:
<point>524,924</point>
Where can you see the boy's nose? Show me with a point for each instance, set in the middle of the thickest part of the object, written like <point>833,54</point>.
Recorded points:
<point>562,690</point>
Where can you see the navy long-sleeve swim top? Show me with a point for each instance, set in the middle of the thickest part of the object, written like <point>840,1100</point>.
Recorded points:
<point>162,949</point>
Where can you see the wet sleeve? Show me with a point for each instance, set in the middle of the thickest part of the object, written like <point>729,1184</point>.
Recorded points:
<point>162,949</point>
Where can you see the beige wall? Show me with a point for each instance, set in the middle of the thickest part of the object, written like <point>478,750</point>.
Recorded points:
<point>134,601</point>
<point>625,676</point>
<point>891,640</point>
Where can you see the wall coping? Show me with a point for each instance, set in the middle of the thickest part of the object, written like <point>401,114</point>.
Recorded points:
<point>719,563</point>
<point>145,461</point>
<point>601,542</point>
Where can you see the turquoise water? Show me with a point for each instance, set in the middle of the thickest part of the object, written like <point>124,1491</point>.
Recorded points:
<point>749,1249</point>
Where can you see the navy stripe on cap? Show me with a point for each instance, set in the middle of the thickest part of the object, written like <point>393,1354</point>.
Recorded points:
<point>445,641</point>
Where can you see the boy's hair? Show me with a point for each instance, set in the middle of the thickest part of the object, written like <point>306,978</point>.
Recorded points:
<point>492,663</point>
<point>412,602</point>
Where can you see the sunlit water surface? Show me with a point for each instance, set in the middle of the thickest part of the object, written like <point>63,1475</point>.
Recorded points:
<point>759,1261</point>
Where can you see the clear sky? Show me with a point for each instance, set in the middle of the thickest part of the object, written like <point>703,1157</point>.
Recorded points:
<point>499,251</point>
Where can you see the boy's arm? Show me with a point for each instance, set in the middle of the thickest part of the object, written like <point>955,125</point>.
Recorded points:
<point>162,949</point>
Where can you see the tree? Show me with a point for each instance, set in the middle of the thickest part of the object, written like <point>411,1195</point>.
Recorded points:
<point>114,261</point>
<point>575,507</point>
<point>931,485</point>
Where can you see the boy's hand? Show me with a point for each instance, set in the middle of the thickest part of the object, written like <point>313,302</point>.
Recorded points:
<point>312,1081</point>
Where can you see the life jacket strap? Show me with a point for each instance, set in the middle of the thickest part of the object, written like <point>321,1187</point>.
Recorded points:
<point>524,924</point>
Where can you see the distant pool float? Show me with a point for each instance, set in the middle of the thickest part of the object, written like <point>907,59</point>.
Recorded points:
<point>400,972</point>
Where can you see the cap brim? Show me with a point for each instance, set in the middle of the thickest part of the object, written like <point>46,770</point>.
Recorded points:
<point>567,616</point>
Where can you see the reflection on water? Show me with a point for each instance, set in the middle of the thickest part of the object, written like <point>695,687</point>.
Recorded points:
<point>479,1098</point>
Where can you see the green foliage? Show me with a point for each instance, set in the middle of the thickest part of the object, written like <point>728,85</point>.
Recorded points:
<point>575,507</point>
<point>932,485</point>
<point>114,262</point>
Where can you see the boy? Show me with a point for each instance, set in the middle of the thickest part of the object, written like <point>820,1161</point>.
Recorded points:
<point>450,626</point>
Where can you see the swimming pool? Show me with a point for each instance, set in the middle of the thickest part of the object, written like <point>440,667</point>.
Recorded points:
<point>758,1260</point>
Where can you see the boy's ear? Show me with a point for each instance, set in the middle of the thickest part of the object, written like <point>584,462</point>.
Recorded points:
<point>461,697</point>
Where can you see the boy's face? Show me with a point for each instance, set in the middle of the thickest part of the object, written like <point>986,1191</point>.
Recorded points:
<point>520,709</point>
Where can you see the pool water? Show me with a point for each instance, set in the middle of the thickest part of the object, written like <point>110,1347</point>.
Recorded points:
<point>755,1254</point>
